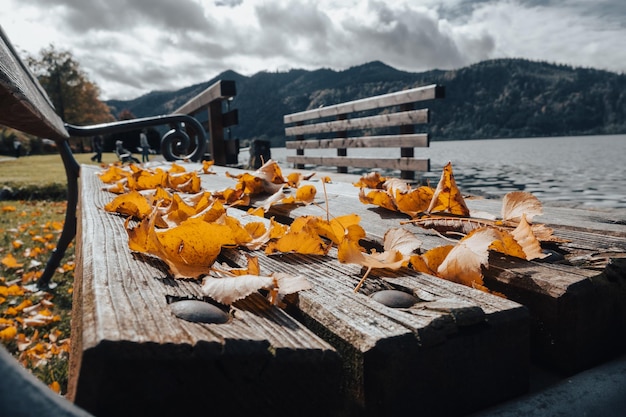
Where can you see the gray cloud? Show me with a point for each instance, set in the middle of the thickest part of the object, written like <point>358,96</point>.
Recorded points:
<point>228,3</point>
<point>87,16</point>
<point>133,46</point>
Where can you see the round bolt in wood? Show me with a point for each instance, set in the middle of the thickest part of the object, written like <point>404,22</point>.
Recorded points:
<point>395,298</point>
<point>198,312</point>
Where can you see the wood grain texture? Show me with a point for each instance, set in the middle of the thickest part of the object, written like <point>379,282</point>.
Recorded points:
<point>359,123</point>
<point>23,102</point>
<point>222,89</point>
<point>455,341</point>
<point>392,141</point>
<point>404,164</point>
<point>127,345</point>
<point>577,306</point>
<point>401,97</point>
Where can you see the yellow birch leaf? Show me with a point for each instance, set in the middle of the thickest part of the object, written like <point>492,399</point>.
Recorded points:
<point>465,261</point>
<point>113,174</point>
<point>524,235</point>
<point>518,203</point>
<point>338,228</point>
<point>179,211</point>
<point>304,242</point>
<point>447,197</point>
<point>132,204</point>
<point>190,248</point>
<point>306,194</point>
<point>414,201</point>
<point>379,198</point>
<point>10,262</point>
<point>8,333</point>
<point>258,211</point>
<point>176,168</point>
<point>206,166</point>
<point>371,180</point>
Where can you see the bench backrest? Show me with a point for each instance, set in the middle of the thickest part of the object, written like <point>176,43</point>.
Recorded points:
<point>24,103</point>
<point>352,129</point>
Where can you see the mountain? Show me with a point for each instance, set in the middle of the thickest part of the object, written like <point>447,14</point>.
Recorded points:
<point>500,98</point>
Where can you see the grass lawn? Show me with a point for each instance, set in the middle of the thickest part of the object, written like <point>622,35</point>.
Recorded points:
<point>34,324</point>
<point>41,171</point>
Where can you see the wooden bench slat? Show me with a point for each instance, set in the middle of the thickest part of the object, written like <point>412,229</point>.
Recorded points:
<point>401,97</point>
<point>25,105</point>
<point>123,330</point>
<point>222,89</point>
<point>403,164</point>
<point>371,122</point>
<point>578,316</point>
<point>417,140</point>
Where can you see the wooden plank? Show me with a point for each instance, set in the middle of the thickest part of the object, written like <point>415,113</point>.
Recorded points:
<point>408,96</point>
<point>404,164</point>
<point>129,352</point>
<point>578,315</point>
<point>24,103</point>
<point>419,140</point>
<point>222,89</point>
<point>370,122</point>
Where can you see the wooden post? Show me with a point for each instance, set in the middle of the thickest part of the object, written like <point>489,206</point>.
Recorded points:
<point>407,152</point>
<point>342,151</point>
<point>299,151</point>
<point>216,133</point>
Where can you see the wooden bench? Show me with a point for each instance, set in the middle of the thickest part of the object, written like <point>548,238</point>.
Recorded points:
<point>331,352</point>
<point>347,120</point>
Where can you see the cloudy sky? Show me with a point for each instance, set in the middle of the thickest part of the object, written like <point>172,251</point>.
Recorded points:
<point>131,47</point>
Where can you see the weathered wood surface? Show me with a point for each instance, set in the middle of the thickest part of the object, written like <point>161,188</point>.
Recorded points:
<point>398,141</point>
<point>455,342</point>
<point>428,92</point>
<point>222,89</point>
<point>403,164</point>
<point>132,356</point>
<point>359,123</point>
<point>392,110</point>
<point>24,103</point>
<point>577,304</point>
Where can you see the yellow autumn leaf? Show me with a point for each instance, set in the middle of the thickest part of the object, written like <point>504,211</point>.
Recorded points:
<point>414,201</point>
<point>339,228</point>
<point>147,179</point>
<point>379,198</point>
<point>524,235</point>
<point>306,194</point>
<point>518,203</point>
<point>113,174</point>
<point>447,197</point>
<point>179,211</point>
<point>10,262</point>
<point>8,333</point>
<point>190,248</point>
<point>132,204</point>
<point>206,166</point>
<point>300,238</point>
<point>465,261</point>
<point>371,180</point>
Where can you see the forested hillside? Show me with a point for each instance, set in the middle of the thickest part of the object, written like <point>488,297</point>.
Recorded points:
<point>493,99</point>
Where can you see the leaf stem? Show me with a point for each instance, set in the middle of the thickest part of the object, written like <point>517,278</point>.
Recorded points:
<point>360,284</point>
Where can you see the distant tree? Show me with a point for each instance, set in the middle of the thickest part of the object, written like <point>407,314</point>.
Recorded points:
<point>125,114</point>
<point>75,97</point>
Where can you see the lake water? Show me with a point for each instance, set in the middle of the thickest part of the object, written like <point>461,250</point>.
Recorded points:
<point>580,171</point>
